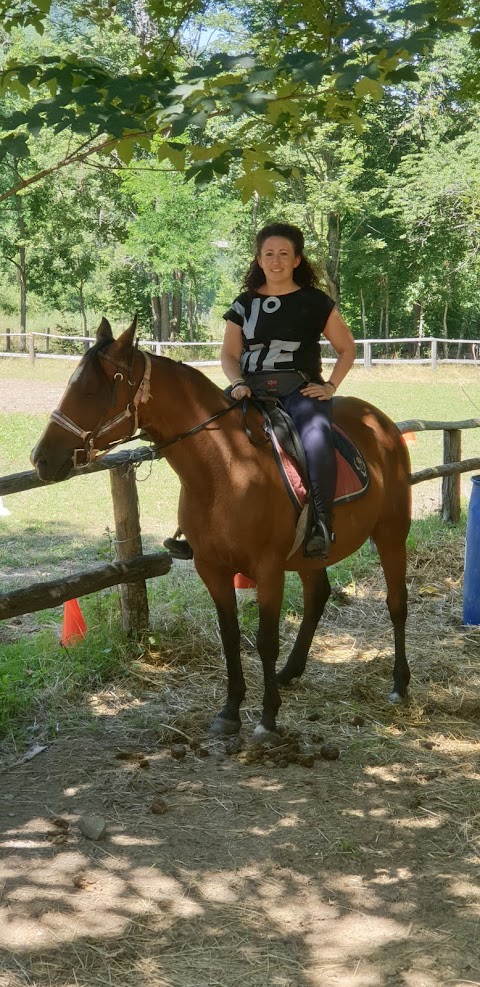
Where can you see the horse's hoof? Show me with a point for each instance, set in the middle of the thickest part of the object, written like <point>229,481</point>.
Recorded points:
<point>221,727</point>
<point>262,735</point>
<point>284,677</point>
<point>396,698</point>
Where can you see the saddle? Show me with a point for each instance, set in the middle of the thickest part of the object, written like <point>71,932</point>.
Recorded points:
<point>352,473</point>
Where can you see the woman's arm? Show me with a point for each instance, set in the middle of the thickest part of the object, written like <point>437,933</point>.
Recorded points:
<point>340,337</point>
<point>230,354</point>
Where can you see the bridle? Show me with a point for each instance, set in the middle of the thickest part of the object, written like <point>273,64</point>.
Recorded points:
<point>89,453</point>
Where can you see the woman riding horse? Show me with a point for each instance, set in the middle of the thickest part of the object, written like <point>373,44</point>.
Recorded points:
<point>271,349</point>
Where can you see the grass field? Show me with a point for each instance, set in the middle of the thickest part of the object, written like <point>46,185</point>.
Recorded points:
<point>79,513</point>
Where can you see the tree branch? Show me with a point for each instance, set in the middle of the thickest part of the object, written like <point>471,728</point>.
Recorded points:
<point>73,158</point>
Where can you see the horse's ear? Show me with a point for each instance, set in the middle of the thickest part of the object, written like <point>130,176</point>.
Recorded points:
<point>104,331</point>
<point>126,340</point>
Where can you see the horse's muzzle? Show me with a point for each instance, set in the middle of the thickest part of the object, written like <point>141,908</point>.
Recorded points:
<point>48,469</point>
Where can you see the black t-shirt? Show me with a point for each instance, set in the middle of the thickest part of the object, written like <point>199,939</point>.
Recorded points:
<point>281,332</point>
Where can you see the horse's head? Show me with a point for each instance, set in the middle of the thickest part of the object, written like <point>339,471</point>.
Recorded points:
<point>98,407</point>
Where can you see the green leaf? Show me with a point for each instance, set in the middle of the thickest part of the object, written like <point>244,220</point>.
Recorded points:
<point>368,87</point>
<point>125,149</point>
<point>16,145</point>
<point>17,87</point>
<point>175,153</point>
<point>257,180</point>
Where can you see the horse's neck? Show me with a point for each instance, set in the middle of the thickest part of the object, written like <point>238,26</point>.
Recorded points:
<point>180,401</point>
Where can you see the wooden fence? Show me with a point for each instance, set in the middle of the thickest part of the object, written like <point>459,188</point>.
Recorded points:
<point>430,351</point>
<point>132,567</point>
<point>130,570</point>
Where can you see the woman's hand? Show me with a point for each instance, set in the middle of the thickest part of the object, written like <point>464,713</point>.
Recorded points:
<point>241,391</point>
<point>319,392</point>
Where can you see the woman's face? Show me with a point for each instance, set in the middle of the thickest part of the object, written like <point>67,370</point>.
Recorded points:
<point>277,259</point>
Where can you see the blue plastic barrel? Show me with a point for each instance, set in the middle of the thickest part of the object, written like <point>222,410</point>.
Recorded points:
<point>471,581</point>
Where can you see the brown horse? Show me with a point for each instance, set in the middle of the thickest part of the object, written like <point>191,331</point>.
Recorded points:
<point>234,508</point>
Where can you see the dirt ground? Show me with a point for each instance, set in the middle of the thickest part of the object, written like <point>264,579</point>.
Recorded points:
<point>348,856</point>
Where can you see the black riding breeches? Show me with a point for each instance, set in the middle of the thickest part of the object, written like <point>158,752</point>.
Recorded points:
<point>313,420</point>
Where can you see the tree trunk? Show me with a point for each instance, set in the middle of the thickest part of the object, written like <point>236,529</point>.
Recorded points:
<point>22,279</point>
<point>83,314</point>
<point>156,316</point>
<point>256,202</point>
<point>165,316</point>
<point>144,27</point>
<point>156,305</point>
<point>193,306</point>
<point>333,260</point>
<point>190,311</point>
<point>22,274</point>
<point>177,302</point>
<point>445,331</point>
<point>418,322</point>
<point>362,312</point>
<point>387,307</point>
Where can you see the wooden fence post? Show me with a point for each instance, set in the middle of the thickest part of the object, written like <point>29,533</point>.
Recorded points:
<point>434,354</point>
<point>8,341</point>
<point>31,347</point>
<point>451,485</point>
<point>128,544</point>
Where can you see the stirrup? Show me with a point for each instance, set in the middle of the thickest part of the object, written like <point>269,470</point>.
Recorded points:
<point>178,548</point>
<point>318,541</point>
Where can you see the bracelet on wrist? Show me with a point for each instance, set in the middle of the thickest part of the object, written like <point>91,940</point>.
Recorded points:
<point>330,383</point>
<point>238,382</point>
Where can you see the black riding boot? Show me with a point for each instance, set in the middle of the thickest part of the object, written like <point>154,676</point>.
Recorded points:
<point>319,538</point>
<point>178,547</point>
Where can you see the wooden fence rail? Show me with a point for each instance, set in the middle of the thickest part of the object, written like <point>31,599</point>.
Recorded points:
<point>45,595</point>
<point>133,567</point>
<point>452,465</point>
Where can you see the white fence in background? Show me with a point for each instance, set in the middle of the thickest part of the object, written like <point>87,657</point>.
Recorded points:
<point>429,351</point>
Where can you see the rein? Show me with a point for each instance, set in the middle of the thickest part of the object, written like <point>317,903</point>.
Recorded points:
<point>141,396</point>
<point>198,428</point>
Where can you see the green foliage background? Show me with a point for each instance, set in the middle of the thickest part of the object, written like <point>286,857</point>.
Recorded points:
<point>359,124</point>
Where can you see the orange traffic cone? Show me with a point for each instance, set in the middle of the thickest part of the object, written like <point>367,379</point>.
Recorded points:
<point>245,588</point>
<point>74,626</point>
<point>409,437</point>
<point>243,582</point>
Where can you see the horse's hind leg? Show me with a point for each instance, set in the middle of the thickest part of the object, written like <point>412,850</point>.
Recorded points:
<point>316,591</point>
<point>393,556</point>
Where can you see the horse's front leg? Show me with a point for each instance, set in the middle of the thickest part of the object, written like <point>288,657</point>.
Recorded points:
<point>270,595</point>
<point>221,589</point>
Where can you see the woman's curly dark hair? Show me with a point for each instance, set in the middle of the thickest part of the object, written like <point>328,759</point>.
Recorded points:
<point>304,275</point>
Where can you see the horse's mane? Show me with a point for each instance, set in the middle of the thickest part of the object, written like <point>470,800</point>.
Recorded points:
<point>191,374</point>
